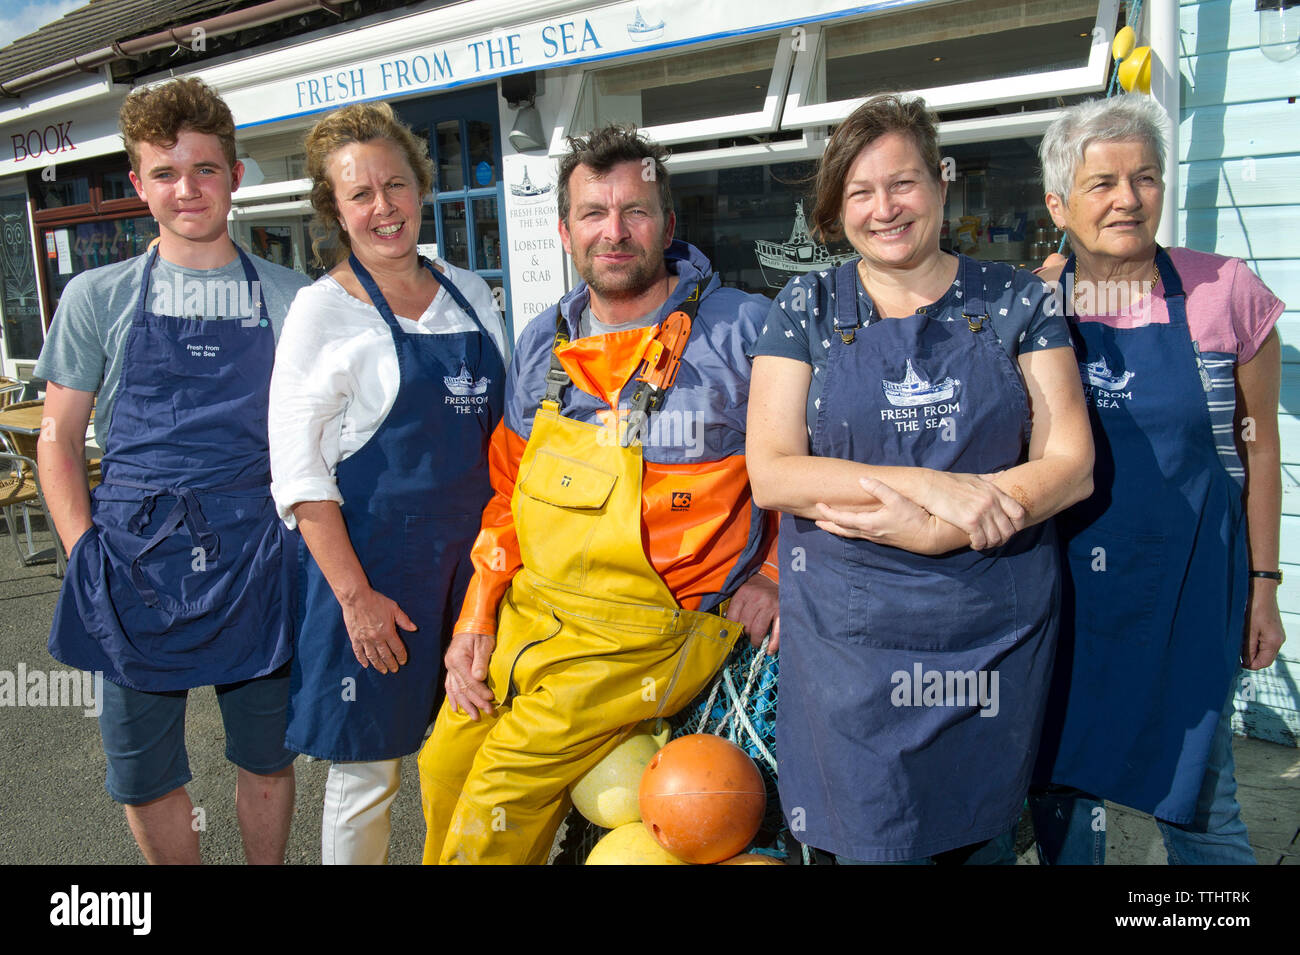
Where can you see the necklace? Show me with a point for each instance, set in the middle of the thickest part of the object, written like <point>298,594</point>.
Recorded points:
<point>1074,292</point>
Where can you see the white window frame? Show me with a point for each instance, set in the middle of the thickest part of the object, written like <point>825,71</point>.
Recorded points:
<point>989,129</point>
<point>248,195</point>
<point>765,120</point>
<point>1066,82</point>
<point>810,145</point>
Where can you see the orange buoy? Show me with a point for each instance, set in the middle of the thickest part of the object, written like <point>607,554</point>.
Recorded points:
<point>702,798</point>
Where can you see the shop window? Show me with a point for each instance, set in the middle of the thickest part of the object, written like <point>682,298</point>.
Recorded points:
<point>995,209</point>
<point>279,157</point>
<point>752,221</point>
<point>18,303</point>
<point>461,221</point>
<point>957,55</point>
<point>88,215</point>
<point>65,191</point>
<point>72,249</point>
<point>726,90</point>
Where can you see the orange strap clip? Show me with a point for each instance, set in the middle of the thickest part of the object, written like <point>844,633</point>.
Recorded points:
<point>664,355</point>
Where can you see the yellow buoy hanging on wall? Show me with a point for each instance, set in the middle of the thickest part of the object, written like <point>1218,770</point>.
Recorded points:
<point>1135,71</point>
<point>1123,43</point>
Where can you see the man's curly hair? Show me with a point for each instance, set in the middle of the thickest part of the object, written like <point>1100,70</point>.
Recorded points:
<point>602,149</point>
<point>159,114</point>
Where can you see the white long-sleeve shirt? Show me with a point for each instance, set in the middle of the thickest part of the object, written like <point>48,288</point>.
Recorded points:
<point>336,379</point>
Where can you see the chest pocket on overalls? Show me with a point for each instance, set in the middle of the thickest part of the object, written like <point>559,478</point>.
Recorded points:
<point>560,504</point>
<point>566,482</point>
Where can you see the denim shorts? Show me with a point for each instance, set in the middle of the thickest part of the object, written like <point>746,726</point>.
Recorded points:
<point>144,734</point>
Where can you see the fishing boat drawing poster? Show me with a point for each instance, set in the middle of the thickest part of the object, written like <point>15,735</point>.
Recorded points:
<point>797,255</point>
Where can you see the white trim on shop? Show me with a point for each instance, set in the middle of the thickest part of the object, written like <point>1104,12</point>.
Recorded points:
<point>987,129</point>
<point>810,145</point>
<point>270,210</point>
<point>766,120</point>
<point>245,195</point>
<point>798,113</point>
<point>73,93</point>
<point>379,62</point>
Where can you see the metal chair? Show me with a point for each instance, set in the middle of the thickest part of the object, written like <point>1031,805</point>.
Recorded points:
<point>20,486</point>
<point>9,391</point>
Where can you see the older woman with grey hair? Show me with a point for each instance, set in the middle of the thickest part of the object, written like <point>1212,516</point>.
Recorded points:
<point>1172,564</point>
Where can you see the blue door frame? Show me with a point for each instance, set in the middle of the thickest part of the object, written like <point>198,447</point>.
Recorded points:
<point>463,130</point>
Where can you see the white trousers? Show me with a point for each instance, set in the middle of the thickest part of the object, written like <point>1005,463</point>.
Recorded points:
<point>357,820</point>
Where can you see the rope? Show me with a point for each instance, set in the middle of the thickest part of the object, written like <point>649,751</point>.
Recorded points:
<point>736,703</point>
<point>1132,15</point>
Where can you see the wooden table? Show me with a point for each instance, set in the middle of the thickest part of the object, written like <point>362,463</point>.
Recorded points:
<point>27,422</point>
<point>23,420</point>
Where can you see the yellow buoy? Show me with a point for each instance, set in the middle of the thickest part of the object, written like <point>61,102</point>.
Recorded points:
<point>1135,71</point>
<point>1123,43</point>
<point>752,858</point>
<point>631,844</point>
<point>607,794</point>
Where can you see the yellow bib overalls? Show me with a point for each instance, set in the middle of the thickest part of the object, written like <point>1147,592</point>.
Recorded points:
<point>590,641</point>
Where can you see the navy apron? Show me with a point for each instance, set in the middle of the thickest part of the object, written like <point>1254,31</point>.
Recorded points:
<point>912,687</point>
<point>186,576</point>
<point>413,499</point>
<point>1155,594</point>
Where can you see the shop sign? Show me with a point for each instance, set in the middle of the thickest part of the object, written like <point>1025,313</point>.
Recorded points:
<point>77,134</point>
<point>615,30</point>
<point>537,275</point>
<point>34,143</point>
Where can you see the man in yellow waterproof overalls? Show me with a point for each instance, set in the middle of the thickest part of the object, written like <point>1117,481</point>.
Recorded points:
<point>621,521</point>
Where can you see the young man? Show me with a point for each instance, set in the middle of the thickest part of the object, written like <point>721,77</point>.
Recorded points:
<point>179,572</point>
<point>621,523</point>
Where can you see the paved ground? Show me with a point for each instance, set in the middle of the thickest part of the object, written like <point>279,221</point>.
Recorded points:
<point>53,807</point>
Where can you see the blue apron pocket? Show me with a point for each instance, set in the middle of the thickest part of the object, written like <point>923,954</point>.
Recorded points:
<point>1118,579</point>
<point>915,609</point>
<point>77,545</point>
<point>434,550</point>
<point>85,575</point>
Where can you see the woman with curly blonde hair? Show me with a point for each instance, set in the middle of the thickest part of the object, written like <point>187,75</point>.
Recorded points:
<point>387,385</point>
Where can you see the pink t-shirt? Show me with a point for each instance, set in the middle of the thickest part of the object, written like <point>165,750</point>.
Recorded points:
<point>1228,308</point>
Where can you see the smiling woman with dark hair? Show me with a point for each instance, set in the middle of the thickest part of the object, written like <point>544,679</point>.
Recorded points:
<point>918,418</point>
<point>1172,565</point>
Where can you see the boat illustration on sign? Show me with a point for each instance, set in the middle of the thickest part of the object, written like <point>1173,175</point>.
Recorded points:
<point>642,32</point>
<point>797,255</point>
<point>1100,376</point>
<point>915,390</point>
<point>464,383</point>
<point>525,189</point>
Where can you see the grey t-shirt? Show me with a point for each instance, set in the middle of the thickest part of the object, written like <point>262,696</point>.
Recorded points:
<point>589,324</point>
<point>86,344</point>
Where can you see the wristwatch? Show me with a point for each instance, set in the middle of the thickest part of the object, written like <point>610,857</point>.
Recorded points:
<point>1268,574</point>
